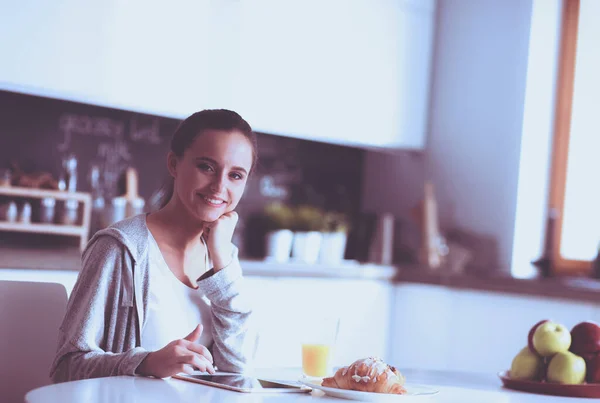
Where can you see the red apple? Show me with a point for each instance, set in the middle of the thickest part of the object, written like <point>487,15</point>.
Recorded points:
<point>530,335</point>
<point>592,363</point>
<point>585,338</point>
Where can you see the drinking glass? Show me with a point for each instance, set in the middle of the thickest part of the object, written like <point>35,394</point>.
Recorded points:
<point>318,342</point>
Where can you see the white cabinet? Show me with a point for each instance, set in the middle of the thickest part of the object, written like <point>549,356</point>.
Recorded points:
<point>53,49</point>
<point>350,72</point>
<point>283,307</point>
<point>135,55</point>
<point>157,56</point>
<point>436,327</point>
<point>491,328</point>
<point>421,322</point>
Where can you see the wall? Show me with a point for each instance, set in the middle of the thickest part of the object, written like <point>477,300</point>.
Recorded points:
<point>476,114</point>
<point>37,132</point>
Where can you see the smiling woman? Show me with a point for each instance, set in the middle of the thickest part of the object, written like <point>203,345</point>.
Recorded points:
<point>211,175</point>
<point>187,276</point>
<point>212,154</point>
<point>211,124</point>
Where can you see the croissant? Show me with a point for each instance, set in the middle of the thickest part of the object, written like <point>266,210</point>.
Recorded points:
<point>368,375</point>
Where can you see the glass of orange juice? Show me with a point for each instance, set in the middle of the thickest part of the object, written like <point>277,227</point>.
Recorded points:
<point>318,342</point>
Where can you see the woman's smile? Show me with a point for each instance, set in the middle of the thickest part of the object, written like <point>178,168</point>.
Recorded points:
<point>212,201</point>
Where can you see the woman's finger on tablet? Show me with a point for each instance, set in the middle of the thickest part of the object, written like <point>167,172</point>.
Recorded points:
<point>199,362</point>
<point>188,369</point>
<point>200,349</point>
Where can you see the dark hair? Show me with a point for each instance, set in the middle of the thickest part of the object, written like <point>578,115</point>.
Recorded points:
<point>211,119</point>
<point>195,125</point>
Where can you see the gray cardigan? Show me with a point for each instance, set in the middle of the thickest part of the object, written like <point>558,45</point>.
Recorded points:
<point>101,331</point>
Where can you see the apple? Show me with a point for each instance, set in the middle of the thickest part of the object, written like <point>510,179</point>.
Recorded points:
<point>592,365</point>
<point>550,338</point>
<point>531,332</point>
<point>566,368</point>
<point>527,365</point>
<point>585,338</point>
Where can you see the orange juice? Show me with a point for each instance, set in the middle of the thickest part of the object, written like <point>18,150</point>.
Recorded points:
<point>316,359</point>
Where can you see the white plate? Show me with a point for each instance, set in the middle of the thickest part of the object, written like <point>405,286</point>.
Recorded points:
<point>416,393</point>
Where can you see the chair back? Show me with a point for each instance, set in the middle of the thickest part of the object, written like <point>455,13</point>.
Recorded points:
<point>30,315</point>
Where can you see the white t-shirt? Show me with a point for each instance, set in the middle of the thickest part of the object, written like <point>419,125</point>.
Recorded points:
<point>174,309</point>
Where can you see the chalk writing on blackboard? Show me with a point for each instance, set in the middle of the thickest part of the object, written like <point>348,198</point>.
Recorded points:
<point>144,130</point>
<point>83,125</point>
<point>117,151</point>
<point>115,158</point>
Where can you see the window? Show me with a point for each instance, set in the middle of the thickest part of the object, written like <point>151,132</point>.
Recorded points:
<point>575,165</point>
<point>537,132</point>
<point>560,139</point>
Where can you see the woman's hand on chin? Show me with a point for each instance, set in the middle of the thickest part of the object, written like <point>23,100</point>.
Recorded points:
<point>218,236</point>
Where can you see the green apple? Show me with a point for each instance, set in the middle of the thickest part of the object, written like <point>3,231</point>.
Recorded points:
<point>567,368</point>
<point>551,338</point>
<point>527,365</point>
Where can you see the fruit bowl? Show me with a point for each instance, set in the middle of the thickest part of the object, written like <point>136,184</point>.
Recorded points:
<point>549,388</point>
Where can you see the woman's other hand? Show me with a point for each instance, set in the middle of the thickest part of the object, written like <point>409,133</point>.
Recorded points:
<point>181,355</point>
<point>218,239</point>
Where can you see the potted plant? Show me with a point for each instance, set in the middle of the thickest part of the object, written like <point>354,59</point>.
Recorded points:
<point>308,224</point>
<point>279,219</point>
<point>335,236</point>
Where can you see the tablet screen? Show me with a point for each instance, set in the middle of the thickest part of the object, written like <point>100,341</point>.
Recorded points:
<point>241,382</point>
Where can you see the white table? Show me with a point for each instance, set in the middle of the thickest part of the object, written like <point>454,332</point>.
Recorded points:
<point>453,387</point>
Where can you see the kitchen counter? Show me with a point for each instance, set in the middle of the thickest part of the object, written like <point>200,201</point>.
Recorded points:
<point>69,259</point>
<point>577,289</point>
<point>571,288</point>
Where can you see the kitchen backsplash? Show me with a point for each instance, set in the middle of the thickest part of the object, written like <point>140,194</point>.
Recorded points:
<point>37,133</point>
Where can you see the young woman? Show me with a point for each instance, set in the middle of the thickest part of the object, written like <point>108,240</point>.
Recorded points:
<point>160,294</point>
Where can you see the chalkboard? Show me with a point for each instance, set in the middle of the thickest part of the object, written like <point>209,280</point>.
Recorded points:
<point>37,133</point>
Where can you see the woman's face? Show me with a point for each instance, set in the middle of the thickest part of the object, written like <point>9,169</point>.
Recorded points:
<point>211,176</point>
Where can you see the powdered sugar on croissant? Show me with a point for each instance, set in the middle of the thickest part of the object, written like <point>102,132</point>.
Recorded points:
<point>368,375</point>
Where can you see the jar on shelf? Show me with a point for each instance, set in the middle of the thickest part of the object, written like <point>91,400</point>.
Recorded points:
<point>119,209</point>
<point>70,212</point>
<point>48,205</point>
<point>134,207</point>
<point>11,212</point>
<point>25,216</point>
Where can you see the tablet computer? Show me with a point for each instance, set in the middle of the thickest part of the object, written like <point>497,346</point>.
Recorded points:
<point>244,383</point>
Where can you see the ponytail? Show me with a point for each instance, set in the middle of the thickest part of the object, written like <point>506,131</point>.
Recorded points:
<point>162,195</point>
<point>168,189</point>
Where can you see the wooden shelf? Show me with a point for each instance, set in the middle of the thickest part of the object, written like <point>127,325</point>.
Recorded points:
<point>43,193</point>
<point>81,231</point>
<point>41,228</point>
